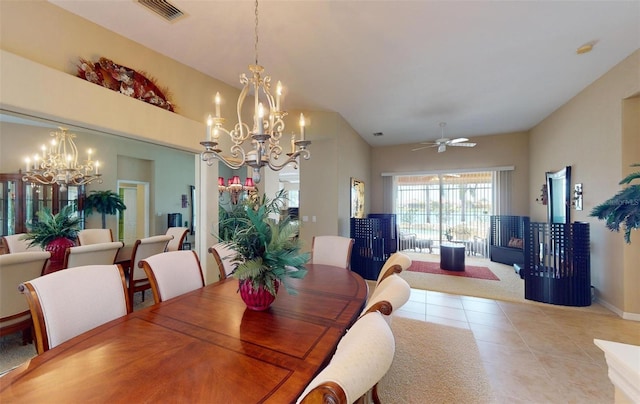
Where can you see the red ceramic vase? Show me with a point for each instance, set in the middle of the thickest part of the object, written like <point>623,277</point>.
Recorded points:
<point>57,249</point>
<point>258,300</point>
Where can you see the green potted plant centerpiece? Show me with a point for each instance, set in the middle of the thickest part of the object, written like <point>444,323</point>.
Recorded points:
<point>105,203</point>
<point>622,209</point>
<point>268,250</point>
<point>55,233</point>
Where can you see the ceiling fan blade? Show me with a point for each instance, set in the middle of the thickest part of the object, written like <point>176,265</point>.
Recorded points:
<point>458,140</point>
<point>463,144</point>
<point>420,148</point>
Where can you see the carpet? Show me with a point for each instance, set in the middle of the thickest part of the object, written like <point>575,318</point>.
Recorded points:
<point>470,271</point>
<point>510,287</point>
<point>434,364</point>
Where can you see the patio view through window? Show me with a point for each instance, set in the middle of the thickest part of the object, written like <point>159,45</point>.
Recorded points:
<point>445,207</point>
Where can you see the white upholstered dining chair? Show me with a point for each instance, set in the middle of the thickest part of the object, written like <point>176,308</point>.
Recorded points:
<point>15,243</point>
<point>92,254</point>
<point>143,248</point>
<point>332,250</point>
<point>179,234</point>
<point>173,273</point>
<point>362,358</point>
<point>15,269</point>
<point>390,295</point>
<point>94,236</point>
<point>395,264</point>
<point>224,253</point>
<point>67,303</point>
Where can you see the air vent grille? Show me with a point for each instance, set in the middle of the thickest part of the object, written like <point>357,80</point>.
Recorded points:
<point>163,8</point>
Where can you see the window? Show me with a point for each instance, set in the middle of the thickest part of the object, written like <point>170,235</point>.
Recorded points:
<point>444,207</point>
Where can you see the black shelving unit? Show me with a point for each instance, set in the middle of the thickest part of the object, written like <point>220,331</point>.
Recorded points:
<point>374,240</point>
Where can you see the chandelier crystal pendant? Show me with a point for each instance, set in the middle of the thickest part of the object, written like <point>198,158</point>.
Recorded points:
<point>58,163</point>
<point>266,132</point>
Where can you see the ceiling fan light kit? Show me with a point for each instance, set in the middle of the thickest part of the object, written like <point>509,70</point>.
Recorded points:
<point>443,142</point>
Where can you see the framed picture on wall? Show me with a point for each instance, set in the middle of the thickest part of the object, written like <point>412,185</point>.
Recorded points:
<point>357,198</point>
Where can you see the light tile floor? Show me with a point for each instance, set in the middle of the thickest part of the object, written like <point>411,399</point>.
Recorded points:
<point>532,353</point>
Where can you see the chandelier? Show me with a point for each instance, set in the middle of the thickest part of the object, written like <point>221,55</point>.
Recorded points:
<point>235,188</point>
<point>266,131</point>
<point>58,163</point>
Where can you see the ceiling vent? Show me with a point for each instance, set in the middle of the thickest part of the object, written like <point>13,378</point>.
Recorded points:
<point>163,8</point>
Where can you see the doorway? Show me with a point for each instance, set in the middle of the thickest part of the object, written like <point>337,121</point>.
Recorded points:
<point>133,223</point>
<point>439,207</point>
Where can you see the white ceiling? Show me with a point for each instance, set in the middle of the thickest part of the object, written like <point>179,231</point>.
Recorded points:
<point>397,67</point>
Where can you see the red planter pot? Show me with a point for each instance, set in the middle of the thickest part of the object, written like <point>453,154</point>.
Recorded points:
<point>57,249</point>
<point>258,300</point>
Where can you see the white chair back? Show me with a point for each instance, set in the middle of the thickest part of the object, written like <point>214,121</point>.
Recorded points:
<point>16,243</point>
<point>332,250</point>
<point>390,295</point>
<point>363,357</point>
<point>173,273</point>
<point>224,253</point>
<point>179,234</point>
<point>92,254</point>
<point>397,258</point>
<point>15,269</point>
<point>67,303</point>
<point>94,236</point>
<point>146,247</point>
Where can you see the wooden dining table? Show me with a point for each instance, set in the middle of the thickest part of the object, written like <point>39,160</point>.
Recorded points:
<point>201,347</point>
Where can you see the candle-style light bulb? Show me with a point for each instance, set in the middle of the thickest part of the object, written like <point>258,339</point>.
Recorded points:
<point>209,124</point>
<point>278,95</point>
<point>27,163</point>
<point>293,143</point>
<point>302,124</point>
<point>35,161</point>
<point>97,165</point>
<point>44,150</point>
<point>217,102</point>
<point>260,119</point>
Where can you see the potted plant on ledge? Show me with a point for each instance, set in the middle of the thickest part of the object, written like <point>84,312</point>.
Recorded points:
<point>55,233</point>
<point>268,251</point>
<point>623,208</point>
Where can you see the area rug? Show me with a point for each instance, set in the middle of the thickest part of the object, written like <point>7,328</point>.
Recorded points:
<point>434,364</point>
<point>470,271</point>
<point>510,287</point>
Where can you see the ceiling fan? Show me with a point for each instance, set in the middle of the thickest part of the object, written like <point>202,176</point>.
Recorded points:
<point>443,142</point>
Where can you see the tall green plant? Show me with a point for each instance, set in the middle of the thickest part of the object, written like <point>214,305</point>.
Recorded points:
<point>268,251</point>
<point>105,203</point>
<point>50,227</point>
<point>623,209</point>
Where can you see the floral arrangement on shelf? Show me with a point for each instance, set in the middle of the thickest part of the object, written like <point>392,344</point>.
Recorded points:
<point>268,250</point>
<point>124,80</point>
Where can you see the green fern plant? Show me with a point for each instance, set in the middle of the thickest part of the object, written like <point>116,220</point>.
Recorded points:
<point>268,251</point>
<point>105,203</point>
<point>623,209</point>
<point>50,227</point>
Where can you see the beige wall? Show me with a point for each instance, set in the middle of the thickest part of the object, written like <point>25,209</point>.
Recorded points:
<point>586,133</point>
<point>337,154</point>
<point>490,151</point>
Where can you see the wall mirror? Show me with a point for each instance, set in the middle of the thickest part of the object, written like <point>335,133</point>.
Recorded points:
<point>559,189</point>
<point>123,161</point>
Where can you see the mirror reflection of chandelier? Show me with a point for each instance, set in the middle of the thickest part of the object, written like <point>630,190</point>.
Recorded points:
<point>235,188</point>
<point>266,132</point>
<point>58,163</point>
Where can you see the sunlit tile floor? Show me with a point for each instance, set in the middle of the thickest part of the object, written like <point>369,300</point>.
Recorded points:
<point>532,353</point>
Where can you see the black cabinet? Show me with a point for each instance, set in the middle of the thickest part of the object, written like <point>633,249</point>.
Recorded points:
<point>374,241</point>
